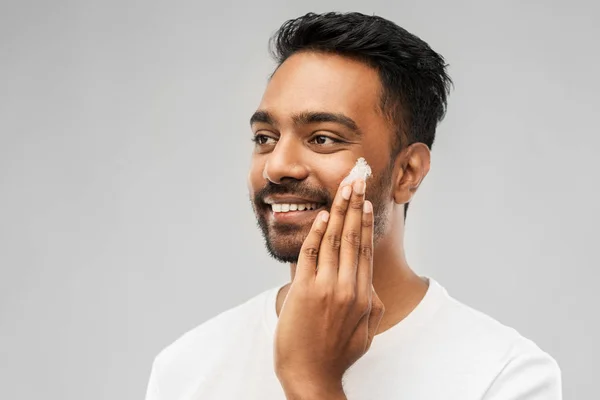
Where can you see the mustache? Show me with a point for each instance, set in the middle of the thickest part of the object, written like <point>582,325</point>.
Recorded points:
<point>292,188</point>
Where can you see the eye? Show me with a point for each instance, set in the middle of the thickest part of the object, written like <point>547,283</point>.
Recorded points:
<point>323,140</point>
<point>261,140</point>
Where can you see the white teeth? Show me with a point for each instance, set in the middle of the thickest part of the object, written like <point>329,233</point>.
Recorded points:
<point>283,207</point>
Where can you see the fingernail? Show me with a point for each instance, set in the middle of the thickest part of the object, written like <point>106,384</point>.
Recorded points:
<point>367,206</point>
<point>346,192</point>
<point>359,186</point>
<point>325,216</point>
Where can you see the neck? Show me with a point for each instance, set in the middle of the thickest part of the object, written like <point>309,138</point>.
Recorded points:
<point>398,287</point>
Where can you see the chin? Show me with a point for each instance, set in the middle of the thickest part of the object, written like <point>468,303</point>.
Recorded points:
<point>285,258</point>
<point>284,249</point>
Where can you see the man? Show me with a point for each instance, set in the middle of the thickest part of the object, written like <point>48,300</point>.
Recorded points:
<point>355,321</point>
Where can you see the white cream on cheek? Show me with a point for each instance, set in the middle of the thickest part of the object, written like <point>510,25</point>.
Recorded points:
<point>361,170</point>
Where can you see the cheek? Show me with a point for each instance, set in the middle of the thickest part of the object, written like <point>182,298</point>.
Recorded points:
<point>379,186</point>
<point>333,171</point>
<point>377,152</point>
<point>336,170</point>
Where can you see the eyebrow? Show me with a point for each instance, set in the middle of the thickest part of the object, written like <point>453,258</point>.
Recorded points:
<point>309,117</point>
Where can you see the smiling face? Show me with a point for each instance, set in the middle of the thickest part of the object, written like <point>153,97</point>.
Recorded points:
<point>318,115</point>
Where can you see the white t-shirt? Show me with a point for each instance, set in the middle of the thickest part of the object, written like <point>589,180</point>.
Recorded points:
<point>442,350</point>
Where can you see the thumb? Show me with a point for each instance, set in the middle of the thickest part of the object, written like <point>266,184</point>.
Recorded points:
<point>375,316</point>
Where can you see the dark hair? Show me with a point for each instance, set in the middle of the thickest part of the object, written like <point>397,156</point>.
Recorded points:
<point>414,81</point>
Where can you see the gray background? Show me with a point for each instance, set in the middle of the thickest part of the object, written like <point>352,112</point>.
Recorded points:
<point>117,235</point>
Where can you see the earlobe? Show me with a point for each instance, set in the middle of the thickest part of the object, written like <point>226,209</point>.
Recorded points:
<point>401,193</point>
<point>412,165</point>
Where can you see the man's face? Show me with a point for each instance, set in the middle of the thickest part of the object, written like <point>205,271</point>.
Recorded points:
<point>318,115</point>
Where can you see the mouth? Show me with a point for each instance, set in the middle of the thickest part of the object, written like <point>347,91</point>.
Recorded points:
<point>294,207</point>
<point>292,210</point>
<point>294,213</point>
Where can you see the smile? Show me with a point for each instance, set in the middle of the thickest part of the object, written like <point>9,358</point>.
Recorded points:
<point>287,207</point>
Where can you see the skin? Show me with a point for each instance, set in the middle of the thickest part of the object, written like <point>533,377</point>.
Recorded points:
<point>347,294</point>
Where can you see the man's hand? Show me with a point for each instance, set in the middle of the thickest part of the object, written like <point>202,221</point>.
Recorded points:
<point>331,312</point>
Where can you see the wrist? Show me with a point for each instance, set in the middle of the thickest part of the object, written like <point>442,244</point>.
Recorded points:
<point>309,389</point>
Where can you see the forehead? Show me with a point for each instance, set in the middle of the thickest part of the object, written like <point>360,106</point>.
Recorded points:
<point>323,82</point>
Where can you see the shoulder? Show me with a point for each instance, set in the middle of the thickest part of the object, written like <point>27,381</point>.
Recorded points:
<point>222,326</point>
<point>469,327</point>
<point>478,327</point>
<point>207,344</point>
<point>512,363</point>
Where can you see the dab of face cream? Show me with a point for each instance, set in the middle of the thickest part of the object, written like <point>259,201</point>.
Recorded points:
<point>360,170</point>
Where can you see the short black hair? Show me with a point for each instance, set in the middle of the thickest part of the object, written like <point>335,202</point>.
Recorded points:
<point>414,79</point>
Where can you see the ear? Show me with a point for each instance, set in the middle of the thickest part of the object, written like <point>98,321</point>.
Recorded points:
<point>411,166</point>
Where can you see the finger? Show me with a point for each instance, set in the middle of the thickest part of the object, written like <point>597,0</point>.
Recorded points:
<point>375,317</point>
<point>351,237</point>
<point>330,244</point>
<point>364,274</point>
<point>307,260</point>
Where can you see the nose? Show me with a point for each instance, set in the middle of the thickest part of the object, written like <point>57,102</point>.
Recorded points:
<point>285,161</point>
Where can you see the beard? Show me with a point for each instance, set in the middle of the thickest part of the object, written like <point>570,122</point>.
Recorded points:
<point>284,241</point>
